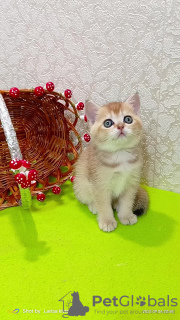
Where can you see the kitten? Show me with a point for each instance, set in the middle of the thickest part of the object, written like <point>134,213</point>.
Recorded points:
<point>107,173</point>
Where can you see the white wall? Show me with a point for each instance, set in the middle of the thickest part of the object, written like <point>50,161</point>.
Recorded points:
<point>103,50</point>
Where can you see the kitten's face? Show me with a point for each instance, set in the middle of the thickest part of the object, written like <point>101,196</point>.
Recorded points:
<point>116,126</point>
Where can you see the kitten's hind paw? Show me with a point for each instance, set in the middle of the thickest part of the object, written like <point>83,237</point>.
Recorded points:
<point>107,225</point>
<point>129,219</point>
<point>92,208</point>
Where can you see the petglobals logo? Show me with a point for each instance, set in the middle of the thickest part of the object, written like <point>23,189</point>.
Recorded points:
<point>131,301</point>
<point>72,304</point>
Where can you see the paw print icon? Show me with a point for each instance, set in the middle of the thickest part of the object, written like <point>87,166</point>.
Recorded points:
<point>141,301</point>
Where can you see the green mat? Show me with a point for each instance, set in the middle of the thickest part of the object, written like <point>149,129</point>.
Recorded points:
<point>56,248</point>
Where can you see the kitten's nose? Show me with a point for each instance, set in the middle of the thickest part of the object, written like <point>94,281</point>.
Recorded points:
<point>120,126</point>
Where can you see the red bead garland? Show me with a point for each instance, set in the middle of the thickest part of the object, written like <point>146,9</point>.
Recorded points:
<point>50,86</point>
<point>39,91</point>
<point>23,185</point>
<point>56,190</point>
<point>14,92</point>
<point>68,93</point>
<point>72,178</point>
<point>32,174</point>
<point>26,184</point>
<point>41,196</point>
<point>80,106</point>
<point>87,137</point>
<point>26,164</point>
<point>15,164</point>
<point>33,183</point>
<point>20,178</point>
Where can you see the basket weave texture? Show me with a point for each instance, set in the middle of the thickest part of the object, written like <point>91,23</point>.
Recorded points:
<point>44,127</point>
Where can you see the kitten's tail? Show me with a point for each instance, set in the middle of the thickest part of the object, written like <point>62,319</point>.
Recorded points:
<point>141,202</point>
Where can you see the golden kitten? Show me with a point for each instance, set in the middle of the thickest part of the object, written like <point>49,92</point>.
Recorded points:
<point>107,173</point>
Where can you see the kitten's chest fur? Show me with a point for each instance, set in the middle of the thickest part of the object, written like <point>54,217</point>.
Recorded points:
<point>122,168</point>
<point>119,182</point>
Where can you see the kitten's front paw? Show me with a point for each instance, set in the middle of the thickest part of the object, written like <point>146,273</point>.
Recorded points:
<point>128,219</point>
<point>107,225</point>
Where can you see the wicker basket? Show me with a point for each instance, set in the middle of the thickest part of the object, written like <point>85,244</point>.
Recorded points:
<point>44,129</point>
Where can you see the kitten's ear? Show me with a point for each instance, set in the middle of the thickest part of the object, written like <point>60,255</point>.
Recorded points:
<point>134,101</point>
<point>91,110</point>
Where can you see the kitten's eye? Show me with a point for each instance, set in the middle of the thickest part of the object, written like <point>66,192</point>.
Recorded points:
<point>128,119</point>
<point>108,123</point>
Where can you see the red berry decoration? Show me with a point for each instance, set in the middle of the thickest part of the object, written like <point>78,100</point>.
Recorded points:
<point>26,184</point>
<point>85,118</point>
<point>56,190</point>
<point>87,137</point>
<point>33,183</point>
<point>20,178</point>
<point>32,175</point>
<point>68,93</point>
<point>72,178</point>
<point>80,106</point>
<point>41,196</point>
<point>15,164</point>
<point>50,86</point>
<point>26,164</point>
<point>39,91</point>
<point>14,92</point>
<point>23,185</point>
